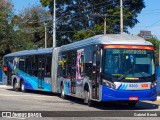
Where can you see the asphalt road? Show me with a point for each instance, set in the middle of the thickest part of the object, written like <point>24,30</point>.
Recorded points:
<point>43,101</point>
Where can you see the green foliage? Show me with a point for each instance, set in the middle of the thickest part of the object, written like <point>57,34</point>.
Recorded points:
<point>6,28</point>
<point>80,16</point>
<point>46,2</point>
<point>156,44</point>
<point>30,25</point>
<point>23,31</point>
<point>83,34</point>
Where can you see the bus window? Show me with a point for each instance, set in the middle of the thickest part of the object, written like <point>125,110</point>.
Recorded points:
<point>62,65</point>
<point>88,61</point>
<point>22,64</point>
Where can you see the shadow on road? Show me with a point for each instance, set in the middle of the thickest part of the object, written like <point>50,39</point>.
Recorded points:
<point>100,105</point>
<point>116,105</point>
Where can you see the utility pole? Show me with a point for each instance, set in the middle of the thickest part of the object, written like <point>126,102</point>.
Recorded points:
<point>54,23</point>
<point>121,16</point>
<point>45,25</point>
<point>104,16</point>
<point>105,25</point>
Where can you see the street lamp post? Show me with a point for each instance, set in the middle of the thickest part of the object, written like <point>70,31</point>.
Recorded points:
<point>54,23</point>
<point>121,16</point>
<point>45,25</point>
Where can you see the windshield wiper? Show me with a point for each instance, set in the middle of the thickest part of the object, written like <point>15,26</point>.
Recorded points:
<point>125,74</point>
<point>144,77</point>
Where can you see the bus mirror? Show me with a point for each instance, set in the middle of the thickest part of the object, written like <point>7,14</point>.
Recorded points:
<point>5,69</point>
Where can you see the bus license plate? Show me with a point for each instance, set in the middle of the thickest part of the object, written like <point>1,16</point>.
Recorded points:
<point>133,98</point>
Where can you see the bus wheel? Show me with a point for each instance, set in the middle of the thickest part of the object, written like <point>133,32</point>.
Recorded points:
<point>85,97</point>
<point>22,86</point>
<point>15,85</point>
<point>62,92</point>
<point>132,103</point>
<point>90,102</point>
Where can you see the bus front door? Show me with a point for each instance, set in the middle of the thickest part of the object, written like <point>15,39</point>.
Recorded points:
<point>41,72</point>
<point>96,63</point>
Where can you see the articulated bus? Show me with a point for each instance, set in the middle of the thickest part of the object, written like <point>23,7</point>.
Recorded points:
<point>113,67</point>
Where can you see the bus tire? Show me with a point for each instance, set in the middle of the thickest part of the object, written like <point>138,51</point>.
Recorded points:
<point>132,103</point>
<point>62,92</point>
<point>90,102</point>
<point>87,98</point>
<point>15,85</point>
<point>22,88</point>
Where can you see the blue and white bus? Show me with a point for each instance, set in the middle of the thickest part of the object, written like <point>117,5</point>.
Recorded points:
<point>113,67</point>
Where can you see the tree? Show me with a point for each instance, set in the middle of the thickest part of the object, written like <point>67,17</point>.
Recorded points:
<point>30,23</point>
<point>23,31</point>
<point>6,28</point>
<point>156,44</point>
<point>79,16</point>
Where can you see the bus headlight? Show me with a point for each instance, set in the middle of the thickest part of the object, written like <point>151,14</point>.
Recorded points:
<point>154,84</point>
<point>108,84</point>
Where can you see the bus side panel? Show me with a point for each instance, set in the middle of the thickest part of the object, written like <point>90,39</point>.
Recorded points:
<point>67,87</point>
<point>30,82</point>
<point>66,83</point>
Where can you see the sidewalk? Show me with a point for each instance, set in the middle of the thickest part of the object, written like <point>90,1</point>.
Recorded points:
<point>157,102</point>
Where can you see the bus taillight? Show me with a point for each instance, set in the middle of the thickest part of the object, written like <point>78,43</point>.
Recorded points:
<point>5,69</point>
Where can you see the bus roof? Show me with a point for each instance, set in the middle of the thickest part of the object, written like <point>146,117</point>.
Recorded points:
<point>30,52</point>
<point>124,39</point>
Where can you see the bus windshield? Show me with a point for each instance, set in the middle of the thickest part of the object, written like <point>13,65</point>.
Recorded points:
<point>128,64</point>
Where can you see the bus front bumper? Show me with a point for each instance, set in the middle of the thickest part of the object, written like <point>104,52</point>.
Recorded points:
<point>108,94</point>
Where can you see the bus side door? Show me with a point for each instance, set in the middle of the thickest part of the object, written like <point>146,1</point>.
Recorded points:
<point>41,72</point>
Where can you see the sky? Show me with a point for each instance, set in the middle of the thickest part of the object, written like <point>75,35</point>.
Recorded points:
<point>149,18</point>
